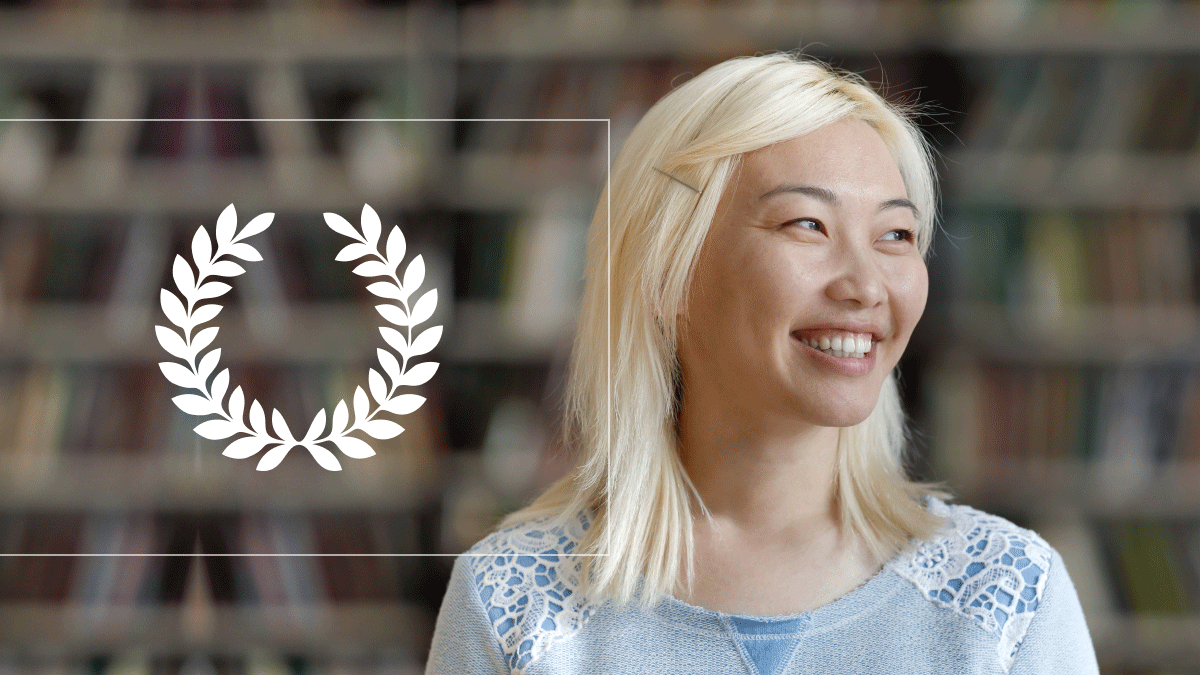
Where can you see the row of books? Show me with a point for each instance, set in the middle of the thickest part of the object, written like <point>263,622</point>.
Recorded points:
<point>1131,567</point>
<point>1123,414</point>
<point>1013,257</point>
<point>1094,103</point>
<point>568,89</point>
<point>274,559</point>
<point>126,409</point>
<point>533,259</point>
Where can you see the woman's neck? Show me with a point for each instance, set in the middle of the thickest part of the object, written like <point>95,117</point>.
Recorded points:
<point>761,477</point>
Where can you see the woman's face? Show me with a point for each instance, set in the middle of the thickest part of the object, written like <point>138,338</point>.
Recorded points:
<point>813,246</point>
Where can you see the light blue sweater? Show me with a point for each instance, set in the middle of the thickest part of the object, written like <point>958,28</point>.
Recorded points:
<point>984,596</point>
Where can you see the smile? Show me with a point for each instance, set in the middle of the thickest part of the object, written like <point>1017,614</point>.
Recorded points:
<point>841,345</point>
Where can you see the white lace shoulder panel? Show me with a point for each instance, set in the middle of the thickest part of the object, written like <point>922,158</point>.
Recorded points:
<point>984,567</point>
<point>529,586</point>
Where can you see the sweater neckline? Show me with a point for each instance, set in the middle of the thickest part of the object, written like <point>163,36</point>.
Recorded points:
<point>852,602</point>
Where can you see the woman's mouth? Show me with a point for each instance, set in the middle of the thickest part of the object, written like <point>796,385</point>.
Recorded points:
<point>841,344</point>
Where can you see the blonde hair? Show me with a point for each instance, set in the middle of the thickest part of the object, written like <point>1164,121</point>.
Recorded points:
<point>664,189</point>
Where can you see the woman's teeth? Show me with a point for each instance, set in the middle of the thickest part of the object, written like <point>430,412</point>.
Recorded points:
<point>842,346</point>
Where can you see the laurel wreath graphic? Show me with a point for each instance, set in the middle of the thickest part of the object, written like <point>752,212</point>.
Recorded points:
<point>187,315</point>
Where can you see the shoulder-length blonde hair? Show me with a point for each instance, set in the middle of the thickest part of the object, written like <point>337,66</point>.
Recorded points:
<point>622,392</point>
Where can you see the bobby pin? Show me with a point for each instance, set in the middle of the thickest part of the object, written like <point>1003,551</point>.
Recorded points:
<point>677,180</point>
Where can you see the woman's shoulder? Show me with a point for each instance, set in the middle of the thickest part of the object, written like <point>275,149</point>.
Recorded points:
<point>547,537</point>
<point>982,567</point>
<point>527,578</point>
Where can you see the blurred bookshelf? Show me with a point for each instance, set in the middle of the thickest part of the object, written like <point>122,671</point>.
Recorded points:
<point>1055,377</point>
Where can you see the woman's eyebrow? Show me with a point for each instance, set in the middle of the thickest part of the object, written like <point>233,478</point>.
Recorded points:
<point>900,202</point>
<point>832,199</point>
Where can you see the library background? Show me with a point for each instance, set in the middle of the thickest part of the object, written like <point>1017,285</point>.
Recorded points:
<point>1054,379</point>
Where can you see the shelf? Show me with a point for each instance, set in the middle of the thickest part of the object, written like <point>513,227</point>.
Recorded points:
<point>88,185</point>
<point>200,481</point>
<point>315,333</point>
<point>1076,334</point>
<point>684,31</point>
<point>317,631</point>
<point>165,37</point>
<point>718,31</point>
<point>1146,641</point>
<point>1055,180</point>
<point>1117,487</point>
<point>625,30</point>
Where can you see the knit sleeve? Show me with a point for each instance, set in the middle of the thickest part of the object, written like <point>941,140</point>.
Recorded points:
<point>1057,640</point>
<point>463,640</point>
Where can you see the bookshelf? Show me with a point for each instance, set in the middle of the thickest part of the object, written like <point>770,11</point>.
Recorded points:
<point>1064,288</point>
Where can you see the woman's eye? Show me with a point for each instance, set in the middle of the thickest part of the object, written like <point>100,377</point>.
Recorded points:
<point>899,235</point>
<point>806,223</point>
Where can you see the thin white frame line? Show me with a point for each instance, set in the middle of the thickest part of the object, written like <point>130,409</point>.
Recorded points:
<point>315,119</point>
<point>608,324</point>
<point>607,180</point>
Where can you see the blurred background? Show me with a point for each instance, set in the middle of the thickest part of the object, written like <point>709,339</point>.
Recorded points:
<point>1054,379</point>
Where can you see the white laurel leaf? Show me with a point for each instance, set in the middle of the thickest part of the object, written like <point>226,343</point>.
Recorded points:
<point>216,430</point>
<point>281,427</point>
<point>205,313</point>
<point>226,268</point>
<point>403,405</point>
<point>414,274</point>
<point>395,340</point>
<point>353,252</point>
<point>201,247</point>
<point>360,405</point>
<point>386,289</point>
<point>258,421</point>
<point>257,224</point>
<point>342,226</point>
<point>395,247</point>
<point>370,225</point>
<point>220,385</point>
<point>195,405</point>
<point>424,307</point>
<point>178,375</point>
<point>274,456</point>
<point>173,308</point>
<point>390,365</point>
<point>237,404</point>
<point>245,252</point>
<point>425,342</point>
<point>173,343</point>
<point>393,313</point>
<point>184,280</point>
<point>419,374</point>
<point>378,388</point>
<point>245,447</point>
<point>226,226</point>
<point>325,458</point>
<point>210,290</point>
<point>341,417</point>
<point>317,426</point>
<point>372,268</point>
<point>383,429</point>
<point>208,363</point>
<point>354,447</point>
<point>203,339</point>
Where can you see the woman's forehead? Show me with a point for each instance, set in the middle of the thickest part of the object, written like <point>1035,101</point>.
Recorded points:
<point>847,158</point>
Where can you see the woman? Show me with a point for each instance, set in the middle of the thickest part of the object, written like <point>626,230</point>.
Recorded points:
<point>742,506</point>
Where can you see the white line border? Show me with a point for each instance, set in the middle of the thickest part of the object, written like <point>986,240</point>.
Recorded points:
<point>607,190</point>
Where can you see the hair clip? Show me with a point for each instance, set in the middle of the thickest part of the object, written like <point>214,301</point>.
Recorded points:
<point>677,180</point>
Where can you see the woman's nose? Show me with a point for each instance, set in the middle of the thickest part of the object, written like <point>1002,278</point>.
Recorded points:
<point>857,278</point>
